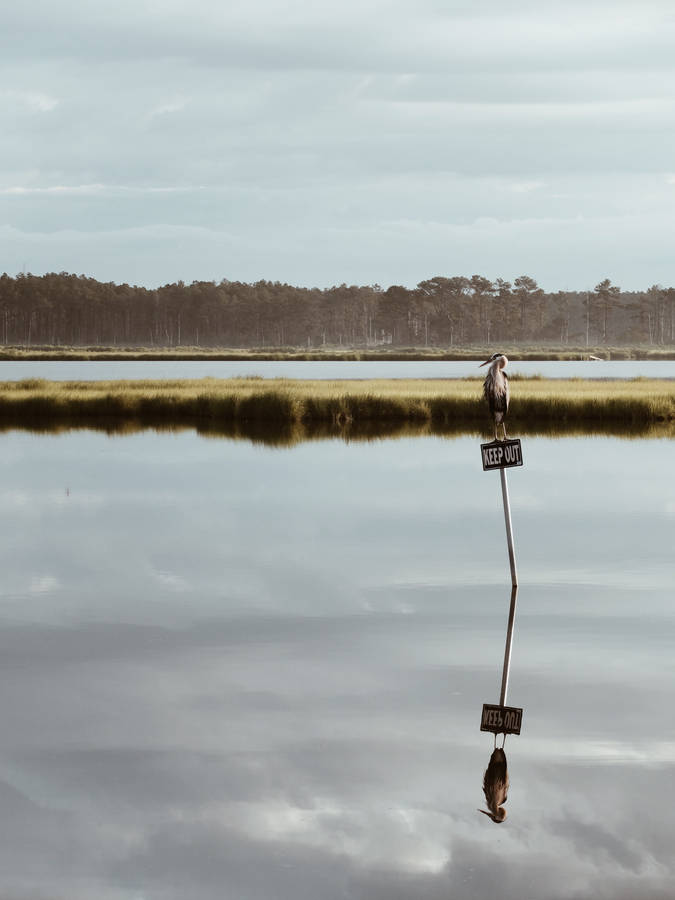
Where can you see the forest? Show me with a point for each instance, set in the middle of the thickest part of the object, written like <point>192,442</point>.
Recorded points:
<point>62,309</point>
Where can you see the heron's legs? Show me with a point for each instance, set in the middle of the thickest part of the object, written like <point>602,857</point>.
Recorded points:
<point>503,424</point>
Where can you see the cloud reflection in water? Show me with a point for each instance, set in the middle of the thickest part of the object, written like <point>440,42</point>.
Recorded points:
<point>300,719</point>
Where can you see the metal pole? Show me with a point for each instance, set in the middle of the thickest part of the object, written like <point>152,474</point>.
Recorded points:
<point>509,529</point>
<point>507,649</point>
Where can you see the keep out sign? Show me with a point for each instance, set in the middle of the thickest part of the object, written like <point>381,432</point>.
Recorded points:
<point>501,454</point>
<point>501,719</point>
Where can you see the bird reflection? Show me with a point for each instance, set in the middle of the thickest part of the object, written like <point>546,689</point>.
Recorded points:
<point>496,390</point>
<point>495,785</point>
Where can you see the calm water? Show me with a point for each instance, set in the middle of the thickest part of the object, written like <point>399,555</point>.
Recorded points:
<point>92,370</point>
<point>235,672</point>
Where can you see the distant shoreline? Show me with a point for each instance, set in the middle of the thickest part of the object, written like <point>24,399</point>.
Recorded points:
<point>400,354</point>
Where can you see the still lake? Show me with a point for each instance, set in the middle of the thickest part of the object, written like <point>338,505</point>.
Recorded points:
<point>233,672</point>
<point>103,370</point>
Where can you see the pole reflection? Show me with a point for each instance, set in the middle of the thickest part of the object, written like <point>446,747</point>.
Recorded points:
<point>500,720</point>
<point>507,649</point>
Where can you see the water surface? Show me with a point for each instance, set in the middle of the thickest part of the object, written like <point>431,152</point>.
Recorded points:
<point>229,671</point>
<point>101,370</point>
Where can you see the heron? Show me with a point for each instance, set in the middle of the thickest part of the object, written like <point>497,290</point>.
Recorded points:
<point>496,390</point>
<point>495,785</point>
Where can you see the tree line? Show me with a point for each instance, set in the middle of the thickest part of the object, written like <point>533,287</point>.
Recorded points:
<point>63,309</point>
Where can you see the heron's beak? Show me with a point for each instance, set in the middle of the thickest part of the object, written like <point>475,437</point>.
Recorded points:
<point>485,812</point>
<point>480,367</point>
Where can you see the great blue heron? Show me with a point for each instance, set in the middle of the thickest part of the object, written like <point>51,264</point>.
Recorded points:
<point>495,785</point>
<point>496,390</point>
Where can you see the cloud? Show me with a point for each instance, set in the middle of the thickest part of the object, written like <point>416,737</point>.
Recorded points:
<point>33,101</point>
<point>170,580</point>
<point>632,248</point>
<point>169,106</point>
<point>249,119</point>
<point>301,35</point>
<point>593,840</point>
<point>525,187</point>
<point>19,190</point>
<point>91,190</point>
<point>43,584</point>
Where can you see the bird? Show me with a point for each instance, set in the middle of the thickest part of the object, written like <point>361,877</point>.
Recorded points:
<point>495,786</point>
<point>496,389</point>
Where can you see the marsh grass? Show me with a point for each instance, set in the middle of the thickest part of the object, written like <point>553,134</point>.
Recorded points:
<point>284,411</point>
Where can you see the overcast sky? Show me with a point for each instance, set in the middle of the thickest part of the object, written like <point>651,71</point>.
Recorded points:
<point>366,141</point>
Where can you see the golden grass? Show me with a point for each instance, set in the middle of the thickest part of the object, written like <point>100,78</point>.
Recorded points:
<point>284,410</point>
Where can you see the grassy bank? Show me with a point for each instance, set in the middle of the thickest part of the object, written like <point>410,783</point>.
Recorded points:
<point>394,354</point>
<point>282,410</point>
